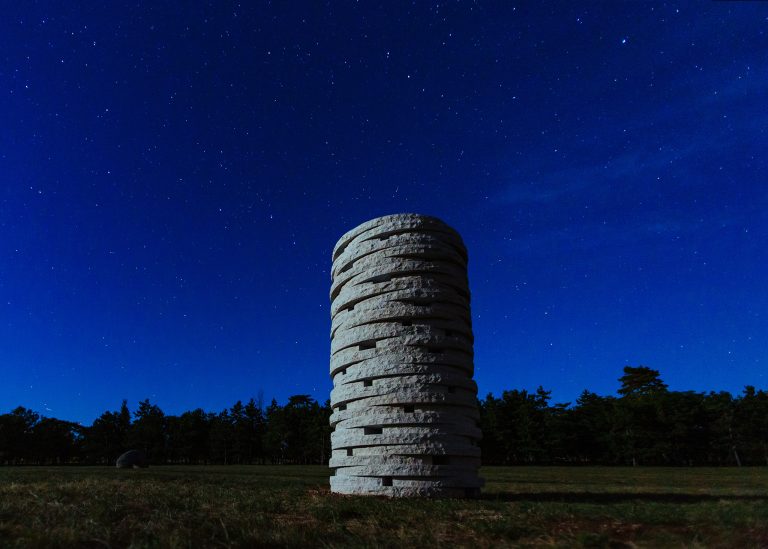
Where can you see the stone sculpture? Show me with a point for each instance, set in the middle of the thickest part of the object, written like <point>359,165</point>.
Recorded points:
<point>405,417</point>
<point>132,459</point>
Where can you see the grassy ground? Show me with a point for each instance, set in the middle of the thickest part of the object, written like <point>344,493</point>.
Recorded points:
<point>291,506</point>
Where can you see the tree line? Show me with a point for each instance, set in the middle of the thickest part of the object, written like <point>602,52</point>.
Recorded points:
<point>644,424</point>
<point>297,432</point>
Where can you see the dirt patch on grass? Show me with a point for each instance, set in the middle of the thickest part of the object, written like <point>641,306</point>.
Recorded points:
<point>478,514</point>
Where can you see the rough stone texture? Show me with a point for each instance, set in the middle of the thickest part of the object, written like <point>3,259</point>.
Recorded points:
<point>405,415</point>
<point>132,459</point>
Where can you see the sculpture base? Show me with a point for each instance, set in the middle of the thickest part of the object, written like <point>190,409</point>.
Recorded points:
<point>406,487</point>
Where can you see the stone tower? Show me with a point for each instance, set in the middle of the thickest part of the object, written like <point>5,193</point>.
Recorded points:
<point>405,417</point>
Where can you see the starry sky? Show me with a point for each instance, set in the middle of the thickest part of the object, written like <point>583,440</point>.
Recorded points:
<point>173,177</point>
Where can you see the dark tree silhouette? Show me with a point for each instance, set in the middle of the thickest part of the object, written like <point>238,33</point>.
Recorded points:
<point>148,431</point>
<point>646,424</point>
<point>640,381</point>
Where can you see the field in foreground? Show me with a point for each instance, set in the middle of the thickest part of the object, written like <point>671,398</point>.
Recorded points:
<point>291,506</point>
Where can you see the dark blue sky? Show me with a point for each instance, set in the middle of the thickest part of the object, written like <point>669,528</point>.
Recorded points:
<point>173,179</point>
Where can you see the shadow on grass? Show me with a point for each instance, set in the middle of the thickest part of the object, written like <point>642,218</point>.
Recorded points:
<point>596,497</point>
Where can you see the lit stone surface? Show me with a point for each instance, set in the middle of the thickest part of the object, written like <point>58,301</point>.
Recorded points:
<point>405,415</point>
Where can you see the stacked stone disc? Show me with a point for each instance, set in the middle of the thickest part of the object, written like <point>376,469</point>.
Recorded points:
<point>405,417</point>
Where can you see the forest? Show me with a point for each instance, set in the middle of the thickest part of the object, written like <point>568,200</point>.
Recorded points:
<point>643,424</point>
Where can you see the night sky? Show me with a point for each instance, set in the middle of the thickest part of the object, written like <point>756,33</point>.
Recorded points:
<point>173,179</point>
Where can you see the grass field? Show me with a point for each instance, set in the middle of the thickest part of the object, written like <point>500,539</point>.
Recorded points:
<point>291,506</point>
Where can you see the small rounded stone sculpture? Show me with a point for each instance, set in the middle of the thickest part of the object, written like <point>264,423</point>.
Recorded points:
<point>132,459</point>
<point>405,416</point>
